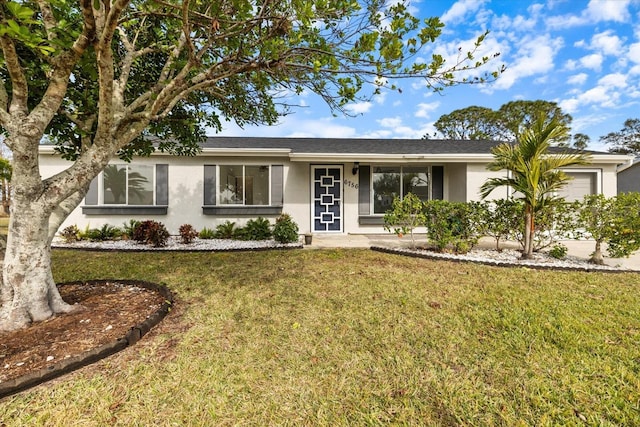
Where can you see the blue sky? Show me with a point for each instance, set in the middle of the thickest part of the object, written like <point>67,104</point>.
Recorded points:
<point>584,55</point>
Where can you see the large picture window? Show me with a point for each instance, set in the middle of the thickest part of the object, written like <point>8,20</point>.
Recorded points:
<point>128,185</point>
<point>391,182</point>
<point>244,185</point>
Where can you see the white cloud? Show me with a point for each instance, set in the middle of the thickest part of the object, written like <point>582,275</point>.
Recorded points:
<point>517,23</point>
<point>294,126</point>
<point>390,122</point>
<point>600,95</point>
<point>596,11</point>
<point>606,95</point>
<point>608,10</point>
<point>535,57</point>
<point>615,80</point>
<point>577,79</point>
<point>359,107</point>
<point>592,62</point>
<point>424,110</point>
<point>570,65</point>
<point>607,43</point>
<point>580,43</point>
<point>460,10</point>
<point>565,21</point>
<point>634,53</point>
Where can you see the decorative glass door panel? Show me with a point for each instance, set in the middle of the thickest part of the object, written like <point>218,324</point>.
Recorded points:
<point>326,213</point>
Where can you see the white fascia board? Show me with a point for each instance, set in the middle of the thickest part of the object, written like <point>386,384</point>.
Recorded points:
<point>245,152</point>
<point>390,158</point>
<point>235,152</point>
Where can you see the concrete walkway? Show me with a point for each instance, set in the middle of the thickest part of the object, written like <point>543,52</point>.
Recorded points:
<point>580,249</point>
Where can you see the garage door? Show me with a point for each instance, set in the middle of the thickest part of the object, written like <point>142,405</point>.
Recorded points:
<point>582,184</point>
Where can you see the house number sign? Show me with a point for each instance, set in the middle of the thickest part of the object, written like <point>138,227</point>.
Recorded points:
<point>350,184</point>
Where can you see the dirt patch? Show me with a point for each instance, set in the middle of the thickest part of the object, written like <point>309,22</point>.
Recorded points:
<point>111,309</point>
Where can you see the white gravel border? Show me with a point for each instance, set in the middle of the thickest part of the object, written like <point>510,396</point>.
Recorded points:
<point>507,257</point>
<point>510,257</point>
<point>174,244</point>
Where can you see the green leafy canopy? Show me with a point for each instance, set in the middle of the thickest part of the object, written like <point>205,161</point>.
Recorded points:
<point>141,75</point>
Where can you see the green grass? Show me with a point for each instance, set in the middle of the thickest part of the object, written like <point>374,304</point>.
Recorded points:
<point>354,337</point>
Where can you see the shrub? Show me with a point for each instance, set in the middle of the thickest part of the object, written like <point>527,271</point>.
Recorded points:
<point>187,233</point>
<point>240,233</point>
<point>405,215</point>
<point>615,221</point>
<point>70,234</point>
<point>225,230</point>
<point>285,229</point>
<point>455,225</point>
<point>257,229</point>
<point>151,232</point>
<point>140,231</point>
<point>157,234</point>
<point>207,234</point>
<point>84,234</point>
<point>128,228</point>
<point>500,218</point>
<point>106,232</point>
<point>559,251</point>
<point>624,238</point>
<point>554,222</point>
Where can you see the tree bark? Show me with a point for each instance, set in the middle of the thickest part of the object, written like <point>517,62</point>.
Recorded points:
<point>527,252</point>
<point>596,256</point>
<point>28,291</point>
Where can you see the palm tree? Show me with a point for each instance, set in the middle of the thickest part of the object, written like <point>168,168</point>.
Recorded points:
<point>535,173</point>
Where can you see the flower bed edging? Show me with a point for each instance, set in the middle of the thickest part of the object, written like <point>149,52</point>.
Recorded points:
<point>495,263</point>
<point>66,366</point>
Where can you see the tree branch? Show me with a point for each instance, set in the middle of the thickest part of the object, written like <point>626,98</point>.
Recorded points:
<point>47,18</point>
<point>19,85</point>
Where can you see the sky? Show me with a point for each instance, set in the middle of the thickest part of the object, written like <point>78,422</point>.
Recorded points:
<point>583,55</point>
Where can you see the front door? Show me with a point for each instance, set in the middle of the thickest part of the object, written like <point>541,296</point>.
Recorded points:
<point>326,191</point>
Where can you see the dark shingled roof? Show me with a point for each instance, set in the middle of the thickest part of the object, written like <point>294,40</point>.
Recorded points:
<point>362,146</point>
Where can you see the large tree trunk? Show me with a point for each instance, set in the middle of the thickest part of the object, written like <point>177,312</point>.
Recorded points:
<point>28,292</point>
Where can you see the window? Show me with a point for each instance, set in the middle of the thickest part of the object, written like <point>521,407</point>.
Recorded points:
<point>128,185</point>
<point>244,185</point>
<point>391,182</point>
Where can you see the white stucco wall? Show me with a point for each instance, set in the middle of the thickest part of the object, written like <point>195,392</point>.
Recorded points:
<point>462,182</point>
<point>477,175</point>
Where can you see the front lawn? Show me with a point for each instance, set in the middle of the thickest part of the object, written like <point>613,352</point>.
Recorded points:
<point>355,337</point>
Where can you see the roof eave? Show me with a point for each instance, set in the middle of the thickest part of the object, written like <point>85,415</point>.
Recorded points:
<point>245,152</point>
<point>389,158</point>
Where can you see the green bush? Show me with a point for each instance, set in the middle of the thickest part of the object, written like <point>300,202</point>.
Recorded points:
<point>225,230</point>
<point>207,234</point>
<point>104,233</point>
<point>257,229</point>
<point>84,234</point>
<point>558,251</point>
<point>70,234</point>
<point>187,233</point>
<point>501,219</point>
<point>128,228</point>
<point>453,225</point>
<point>554,222</point>
<point>152,233</point>
<point>285,229</point>
<point>240,233</point>
<point>404,216</point>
